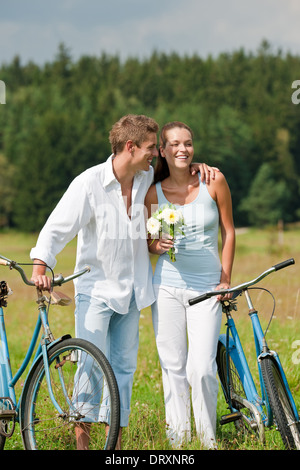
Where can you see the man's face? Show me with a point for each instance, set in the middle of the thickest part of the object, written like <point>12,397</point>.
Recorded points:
<point>144,154</point>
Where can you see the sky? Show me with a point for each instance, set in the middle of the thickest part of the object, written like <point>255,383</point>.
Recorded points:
<point>33,29</point>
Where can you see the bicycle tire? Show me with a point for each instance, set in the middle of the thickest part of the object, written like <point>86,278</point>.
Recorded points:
<point>236,398</point>
<point>2,442</point>
<point>86,371</point>
<point>280,403</point>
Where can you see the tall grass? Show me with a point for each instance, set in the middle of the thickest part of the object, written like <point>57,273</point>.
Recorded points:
<point>256,251</point>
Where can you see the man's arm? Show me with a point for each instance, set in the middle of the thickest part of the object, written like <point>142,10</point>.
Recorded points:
<point>39,277</point>
<point>71,213</point>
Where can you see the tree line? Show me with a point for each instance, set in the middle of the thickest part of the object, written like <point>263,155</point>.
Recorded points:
<point>57,118</point>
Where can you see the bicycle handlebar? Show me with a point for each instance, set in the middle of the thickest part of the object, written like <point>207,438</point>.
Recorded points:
<point>57,281</point>
<point>244,286</point>
<point>284,264</point>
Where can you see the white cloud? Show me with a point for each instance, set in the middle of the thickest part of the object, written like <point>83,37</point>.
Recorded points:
<point>136,28</point>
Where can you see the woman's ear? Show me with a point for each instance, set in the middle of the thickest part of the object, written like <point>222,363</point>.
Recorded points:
<point>161,151</point>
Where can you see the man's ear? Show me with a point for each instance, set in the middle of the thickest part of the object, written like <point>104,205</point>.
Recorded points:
<point>130,146</point>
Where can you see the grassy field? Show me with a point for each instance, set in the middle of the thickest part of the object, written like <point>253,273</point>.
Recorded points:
<point>256,251</point>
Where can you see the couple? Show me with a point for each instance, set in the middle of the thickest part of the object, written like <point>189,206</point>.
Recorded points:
<point>109,299</point>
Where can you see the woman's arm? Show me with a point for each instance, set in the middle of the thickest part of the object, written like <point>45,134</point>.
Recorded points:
<point>223,199</point>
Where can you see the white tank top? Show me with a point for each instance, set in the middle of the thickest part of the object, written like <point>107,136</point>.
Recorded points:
<point>197,264</point>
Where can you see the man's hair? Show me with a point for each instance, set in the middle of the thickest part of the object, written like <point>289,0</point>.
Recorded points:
<point>131,127</point>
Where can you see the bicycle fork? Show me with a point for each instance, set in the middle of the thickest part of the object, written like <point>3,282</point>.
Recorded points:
<point>45,342</point>
<point>262,350</point>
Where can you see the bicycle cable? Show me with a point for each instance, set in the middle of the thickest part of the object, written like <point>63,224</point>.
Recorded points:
<point>39,264</point>
<point>274,305</point>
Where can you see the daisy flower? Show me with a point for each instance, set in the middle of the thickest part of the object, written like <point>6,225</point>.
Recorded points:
<point>170,216</point>
<point>153,226</point>
<point>169,220</point>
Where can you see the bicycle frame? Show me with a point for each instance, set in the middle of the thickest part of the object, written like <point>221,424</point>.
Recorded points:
<point>233,346</point>
<point>7,380</point>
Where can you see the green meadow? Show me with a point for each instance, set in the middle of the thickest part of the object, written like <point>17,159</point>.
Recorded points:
<point>256,251</point>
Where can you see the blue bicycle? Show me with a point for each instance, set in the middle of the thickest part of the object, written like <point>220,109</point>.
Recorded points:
<point>249,410</point>
<point>69,383</point>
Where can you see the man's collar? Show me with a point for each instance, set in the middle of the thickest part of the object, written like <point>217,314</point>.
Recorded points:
<point>110,176</point>
<point>109,173</point>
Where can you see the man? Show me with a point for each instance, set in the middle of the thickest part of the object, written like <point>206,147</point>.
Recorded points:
<point>104,207</point>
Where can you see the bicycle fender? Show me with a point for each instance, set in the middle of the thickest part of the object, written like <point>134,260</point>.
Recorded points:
<point>40,356</point>
<point>281,372</point>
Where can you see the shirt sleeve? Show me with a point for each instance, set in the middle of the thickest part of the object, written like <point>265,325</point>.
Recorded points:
<point>71,213</point>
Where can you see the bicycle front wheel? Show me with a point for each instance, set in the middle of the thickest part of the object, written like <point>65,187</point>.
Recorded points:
<point>280,403</point>
<point>84,386</point>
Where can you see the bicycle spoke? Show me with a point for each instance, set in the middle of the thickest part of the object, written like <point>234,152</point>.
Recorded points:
<point>82,386</point>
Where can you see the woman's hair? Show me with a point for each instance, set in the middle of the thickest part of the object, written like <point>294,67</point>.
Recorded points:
<point>161,170</point>
<point>131,127</point>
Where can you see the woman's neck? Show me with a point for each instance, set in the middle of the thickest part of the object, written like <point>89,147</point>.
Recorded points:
<point>178,179</point>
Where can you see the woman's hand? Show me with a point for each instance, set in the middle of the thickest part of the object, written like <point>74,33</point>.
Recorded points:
<point>161,245</point>
<point>164,245</point>
<point>221,286</point>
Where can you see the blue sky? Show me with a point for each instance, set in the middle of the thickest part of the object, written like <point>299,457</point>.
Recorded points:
<point>33,29</point>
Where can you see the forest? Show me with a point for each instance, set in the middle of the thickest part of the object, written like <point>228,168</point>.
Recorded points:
<point>242,107</point>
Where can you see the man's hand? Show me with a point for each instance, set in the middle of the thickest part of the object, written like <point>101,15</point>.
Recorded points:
<point>207,172</point>
<point>39,277</point>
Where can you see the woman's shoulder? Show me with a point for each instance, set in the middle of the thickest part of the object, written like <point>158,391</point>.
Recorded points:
<point>219,177</point>
<point>218,180</point>
<point>221,182</point>
<point>151,195</point>
<point>216,185</point>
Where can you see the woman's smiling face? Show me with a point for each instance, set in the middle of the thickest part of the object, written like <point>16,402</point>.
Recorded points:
<point>179,149</point>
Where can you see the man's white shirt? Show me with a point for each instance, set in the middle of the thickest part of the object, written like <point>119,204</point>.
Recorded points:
<point>109,241</point>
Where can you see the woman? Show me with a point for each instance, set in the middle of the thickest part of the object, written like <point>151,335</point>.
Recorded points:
<point>197,269</point>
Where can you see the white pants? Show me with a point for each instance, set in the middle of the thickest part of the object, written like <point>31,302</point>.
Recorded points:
<point>117,336</point>
<point>187,338</point>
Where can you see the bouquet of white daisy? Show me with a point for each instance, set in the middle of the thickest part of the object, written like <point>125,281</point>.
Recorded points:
<point>167,219</point>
